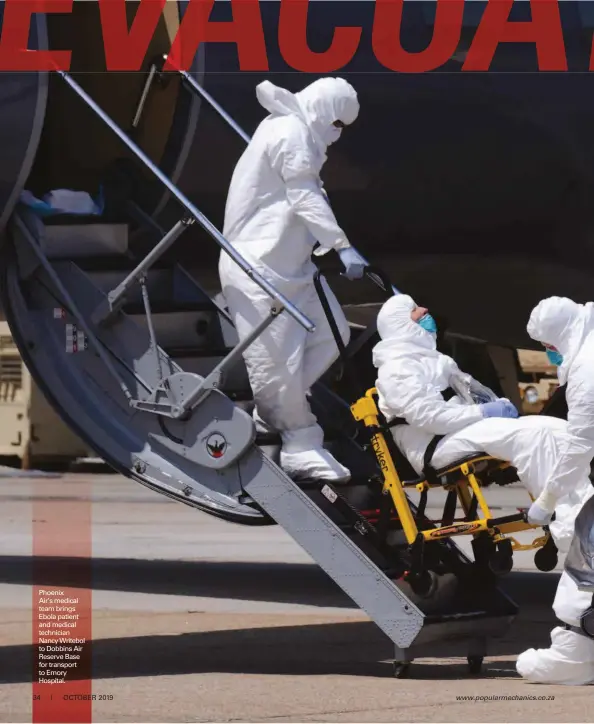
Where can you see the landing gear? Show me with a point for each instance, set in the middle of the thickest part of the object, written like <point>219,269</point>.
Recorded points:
<point>424,584</point>
<point>501,560</point>
<point>401,669</point>
<point>500,563</point>
<point>475,665</point>
<point>423,581</point>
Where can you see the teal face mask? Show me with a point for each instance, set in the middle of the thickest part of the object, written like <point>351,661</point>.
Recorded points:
<point>428,324</point>
<point>554,357</point>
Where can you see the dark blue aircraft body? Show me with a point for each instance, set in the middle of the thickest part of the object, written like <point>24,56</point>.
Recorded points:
<point>474,191</point>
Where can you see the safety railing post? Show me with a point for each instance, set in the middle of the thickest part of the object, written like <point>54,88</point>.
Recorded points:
<point>114,300</point>
<point>212,380</point>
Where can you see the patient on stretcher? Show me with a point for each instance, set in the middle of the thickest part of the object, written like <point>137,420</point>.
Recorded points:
<point>412,378</point>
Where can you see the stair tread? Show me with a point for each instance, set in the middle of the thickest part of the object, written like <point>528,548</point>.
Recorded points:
<point>83,220</point>
<point>115,263</point>
<point>274,438</point>
<point>167,306</point>
<point>316,484</point>
<point>199,353</point>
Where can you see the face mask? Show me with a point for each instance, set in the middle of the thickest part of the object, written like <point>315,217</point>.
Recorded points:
<point>428,324</point>
<point>332,135</point>
<point>554,357</point>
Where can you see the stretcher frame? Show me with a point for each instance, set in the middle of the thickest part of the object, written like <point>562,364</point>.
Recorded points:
<point>467,482</point>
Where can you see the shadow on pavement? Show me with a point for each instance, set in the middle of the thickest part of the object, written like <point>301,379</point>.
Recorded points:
<point>356,649</point>
<point>352,649</point>
<point>300,583</point>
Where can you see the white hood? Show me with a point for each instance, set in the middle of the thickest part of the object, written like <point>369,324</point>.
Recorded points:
<point>318,105</point>
<point>401,337</point>
<point>564,324</point>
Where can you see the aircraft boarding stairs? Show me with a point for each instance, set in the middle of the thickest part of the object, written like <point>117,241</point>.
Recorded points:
<point>147,369</point>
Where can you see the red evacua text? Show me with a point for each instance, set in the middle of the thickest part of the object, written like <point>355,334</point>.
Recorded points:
<point>126,47</point>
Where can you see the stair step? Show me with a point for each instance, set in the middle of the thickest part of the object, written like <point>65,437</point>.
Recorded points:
<point>177,329</point>
<point>169,306</point>
<point>241,397</point>
<point>76,220</point>
<point>159,283</point>
<point>264,439</point>
<point>114,263</point>
<point>317,485</point>
<point>197,353</point>
<point>75,241</point>
<point>235,378</point>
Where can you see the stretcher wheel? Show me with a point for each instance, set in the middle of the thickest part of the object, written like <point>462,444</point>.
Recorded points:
<point>546,558</point>
<point>423,584</point>
<point>501,561</point>
<point>401,670</point>
<point>475,664</point>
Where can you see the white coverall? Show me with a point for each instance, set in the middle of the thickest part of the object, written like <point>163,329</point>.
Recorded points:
<point>412,374</point>
<point>275,214</point>
<point>569,327</point>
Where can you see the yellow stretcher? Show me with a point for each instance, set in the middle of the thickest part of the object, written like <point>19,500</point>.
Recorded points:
<point>464,480</point>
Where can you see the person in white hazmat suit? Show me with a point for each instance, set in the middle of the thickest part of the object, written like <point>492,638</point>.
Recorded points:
<point>411,377</point>
<point>566,329</point>
<point>275,213</point>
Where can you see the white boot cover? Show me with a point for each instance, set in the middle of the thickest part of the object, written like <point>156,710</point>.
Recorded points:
<point>303,457</point>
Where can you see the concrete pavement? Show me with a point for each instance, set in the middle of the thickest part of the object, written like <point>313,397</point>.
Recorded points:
<point>200,620</point>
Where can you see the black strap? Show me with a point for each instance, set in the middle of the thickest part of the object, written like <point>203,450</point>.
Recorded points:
<point>473,509</point>
<point>428,470</point>
<point>396,421</point>
<point>385,516</point>
<point>449,509</point>
<point>422,506</point>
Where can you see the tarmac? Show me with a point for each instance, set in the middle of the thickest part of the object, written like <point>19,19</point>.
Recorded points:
<point>197,620</point>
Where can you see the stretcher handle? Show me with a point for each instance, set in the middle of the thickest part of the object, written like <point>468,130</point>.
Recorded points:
<point>352,380</point>
<point>521,517</point>
<point>378,277</point>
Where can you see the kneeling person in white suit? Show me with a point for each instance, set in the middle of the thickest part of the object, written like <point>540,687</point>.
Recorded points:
<point>412,375</point>
<point>566,329</point>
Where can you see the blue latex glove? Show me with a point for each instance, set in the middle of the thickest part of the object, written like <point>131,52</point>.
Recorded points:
<point>354,263</point>
<point>538,515</point>
<point>499,408</point>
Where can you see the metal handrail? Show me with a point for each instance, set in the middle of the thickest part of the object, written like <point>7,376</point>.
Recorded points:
<point>211,101</point>
<point>193,210</point>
